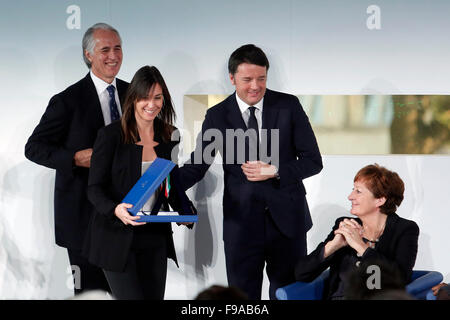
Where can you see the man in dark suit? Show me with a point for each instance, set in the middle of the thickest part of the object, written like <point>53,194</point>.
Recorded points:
<point>64,138</point>
<point>268,148</point>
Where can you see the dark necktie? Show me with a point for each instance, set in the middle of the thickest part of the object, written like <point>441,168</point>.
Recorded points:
<point>114,111</point>
<point>253,124</point>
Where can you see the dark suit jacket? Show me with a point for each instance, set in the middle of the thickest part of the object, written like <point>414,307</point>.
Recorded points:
<point>115,168</point>
<point>397,246</point>
<point>299,158</point>
<point>69,124</point>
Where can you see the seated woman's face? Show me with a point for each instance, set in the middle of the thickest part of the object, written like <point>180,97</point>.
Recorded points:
<point>363,201</point>
<point>148,108</point>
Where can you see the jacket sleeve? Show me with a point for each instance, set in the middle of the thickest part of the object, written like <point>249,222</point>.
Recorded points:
<point>311,266</point>
<point>100,174</point>
<point>177,196</point>
<point>195,169</point>
<point>309,160</point>
<point>405,251</point>
<point>46,144</point>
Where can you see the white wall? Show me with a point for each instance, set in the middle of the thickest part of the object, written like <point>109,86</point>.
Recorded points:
<point>315,47</point>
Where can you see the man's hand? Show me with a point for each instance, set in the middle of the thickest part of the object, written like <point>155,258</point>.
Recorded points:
<point>82,158</point>
<point>258,171</point>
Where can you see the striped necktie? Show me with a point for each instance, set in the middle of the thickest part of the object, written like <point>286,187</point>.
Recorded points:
<point>115,115</point>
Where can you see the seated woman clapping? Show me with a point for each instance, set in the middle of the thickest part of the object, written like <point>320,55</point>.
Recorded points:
<point>377,233</point>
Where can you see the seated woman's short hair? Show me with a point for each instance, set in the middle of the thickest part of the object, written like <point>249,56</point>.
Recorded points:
<point>383,183</point>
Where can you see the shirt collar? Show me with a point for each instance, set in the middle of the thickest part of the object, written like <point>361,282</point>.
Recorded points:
<point>244,107</point>
<point>101,85</point>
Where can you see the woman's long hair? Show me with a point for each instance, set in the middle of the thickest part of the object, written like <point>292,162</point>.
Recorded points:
<point>138,89</point>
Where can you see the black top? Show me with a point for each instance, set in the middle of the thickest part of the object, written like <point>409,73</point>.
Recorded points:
<point>115,168</point>
<point>397,245</point>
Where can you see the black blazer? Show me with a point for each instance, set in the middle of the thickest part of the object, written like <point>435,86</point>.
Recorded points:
<point>115,168</point>
<point>299,158</point>
<point>69,124</point>
<point>397,245</point>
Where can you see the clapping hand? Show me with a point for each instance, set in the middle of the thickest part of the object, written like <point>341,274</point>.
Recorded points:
<point>352,232</point>
<point>334,245</point>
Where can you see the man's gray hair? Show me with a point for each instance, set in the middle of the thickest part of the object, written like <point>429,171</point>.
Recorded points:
<point>88,42</point>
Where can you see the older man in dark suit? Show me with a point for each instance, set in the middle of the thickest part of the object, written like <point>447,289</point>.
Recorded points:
<point>268,148</point>
<point>64,138</point>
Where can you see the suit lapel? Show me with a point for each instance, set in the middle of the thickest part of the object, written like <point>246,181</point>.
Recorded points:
<point>135,160</point>
<point>270,111</point>
<point>386,237</point>
<point>269,118</point>
<point>235,122</point>
<point>121,90</point>
<point>234,116</point>
<point>92,103</point>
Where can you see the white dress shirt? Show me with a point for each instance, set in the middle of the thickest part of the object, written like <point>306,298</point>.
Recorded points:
<point>103,96</point>
<point>258,114</point>
<point>246,112</point>
<point>148,206</point>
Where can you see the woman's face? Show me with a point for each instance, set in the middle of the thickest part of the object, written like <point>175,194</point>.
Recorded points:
<point>363,201</point>
<point>148,108</point>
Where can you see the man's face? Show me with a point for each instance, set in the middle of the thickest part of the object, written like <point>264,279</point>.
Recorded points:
<point>250,82</point>
<point>107,56</point>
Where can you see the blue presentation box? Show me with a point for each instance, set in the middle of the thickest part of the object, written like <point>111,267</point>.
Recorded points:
<point>146,186</point>
<point>168,218</point>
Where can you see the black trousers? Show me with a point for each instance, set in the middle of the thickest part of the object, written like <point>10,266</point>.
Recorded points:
<point>268,248</point>
<point>87,277</point>
<point>144,277</point>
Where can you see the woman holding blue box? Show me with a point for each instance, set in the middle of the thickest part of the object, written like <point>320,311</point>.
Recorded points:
<point>133,255</point>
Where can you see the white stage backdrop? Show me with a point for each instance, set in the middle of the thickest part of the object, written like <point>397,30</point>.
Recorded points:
<point>315,47</point>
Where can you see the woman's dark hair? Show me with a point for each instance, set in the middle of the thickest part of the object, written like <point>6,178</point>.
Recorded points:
<point>248,53</point>
<point>144,79</point>
<point>383,183</point>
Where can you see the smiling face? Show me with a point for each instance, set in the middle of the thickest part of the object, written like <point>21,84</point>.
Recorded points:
<point>250,82</point>
<point>106,57</point>
<point>148,108</point>
<point>363,201</point>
